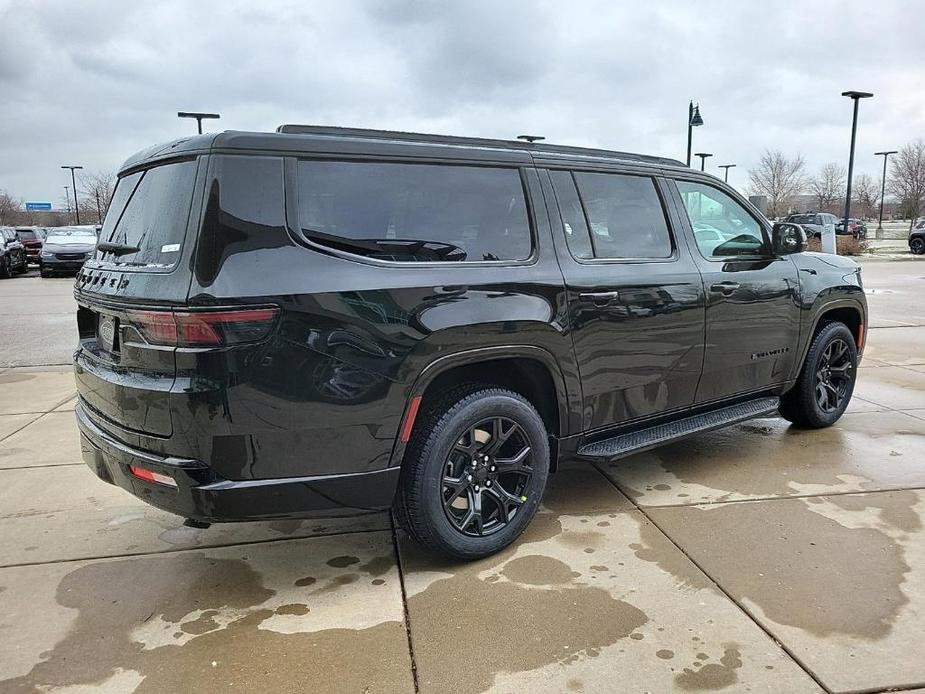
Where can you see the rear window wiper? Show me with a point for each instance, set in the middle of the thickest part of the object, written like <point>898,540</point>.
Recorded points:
<point>116,248</point>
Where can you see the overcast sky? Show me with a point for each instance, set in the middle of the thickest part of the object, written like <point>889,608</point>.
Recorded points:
<point>91,82</point>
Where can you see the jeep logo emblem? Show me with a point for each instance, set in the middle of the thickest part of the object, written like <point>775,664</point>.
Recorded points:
<point>107,332</point>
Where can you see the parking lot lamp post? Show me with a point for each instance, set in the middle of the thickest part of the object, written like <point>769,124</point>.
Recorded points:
<point>885,155</point>
<point>67,196</point>
<point>726,173</point>
<point>703,159</point>
<point>693,120</point>
<point>74,188</point>
<point>198,116</point>
<point>854,96</point>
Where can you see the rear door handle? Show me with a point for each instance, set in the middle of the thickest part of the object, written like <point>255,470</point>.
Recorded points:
<point>725,287</point>
<point>599,297</point>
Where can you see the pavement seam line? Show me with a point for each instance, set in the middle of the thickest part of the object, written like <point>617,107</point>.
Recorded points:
<point>198,548</point>
<point>404,604</point>
<point>37,467</point>
<point>30,422</point>
<point>781,498</point>
<point>786,650</point>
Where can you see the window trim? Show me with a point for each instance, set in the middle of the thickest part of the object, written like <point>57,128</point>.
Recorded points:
<point>294,210</point>
<point>653,177</point>
<point>766,253</point>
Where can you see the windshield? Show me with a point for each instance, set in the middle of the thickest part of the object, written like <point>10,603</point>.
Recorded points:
<point>63,238</point>
<point>26,235</point>
<point>149,211</point>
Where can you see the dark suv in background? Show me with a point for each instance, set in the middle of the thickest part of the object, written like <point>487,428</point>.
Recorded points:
<point>326,320</point>
<point>12,253</point>
<point>31,238</point>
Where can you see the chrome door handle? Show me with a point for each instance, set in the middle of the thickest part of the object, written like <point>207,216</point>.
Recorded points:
<point>725,287</point>
<point>599,297</point>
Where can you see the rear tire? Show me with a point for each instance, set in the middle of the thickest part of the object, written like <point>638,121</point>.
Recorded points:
<point>917,245</point>
<point>474,472</point>
<point>826,382</point>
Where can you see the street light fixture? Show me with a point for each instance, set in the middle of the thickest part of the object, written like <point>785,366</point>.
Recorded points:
<point>703,158</point>
<point>693,120</point>
<point>726,173</point>
<point>67,197</point>
<point>198,116</point>
<point>885,155</point>
<point>854,96</point>
<point>74,188</point>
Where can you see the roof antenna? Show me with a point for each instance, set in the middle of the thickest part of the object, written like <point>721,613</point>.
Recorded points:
<point>531,138</point>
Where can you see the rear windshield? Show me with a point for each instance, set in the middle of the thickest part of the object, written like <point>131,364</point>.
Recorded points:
<point>150,211</point>
<point>804,219</point>
<point>26,235</point>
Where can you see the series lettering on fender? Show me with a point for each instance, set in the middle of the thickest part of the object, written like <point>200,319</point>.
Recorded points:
<point>770,353</point>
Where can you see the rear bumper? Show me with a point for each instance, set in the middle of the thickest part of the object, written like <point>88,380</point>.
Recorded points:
<point>203,495</point>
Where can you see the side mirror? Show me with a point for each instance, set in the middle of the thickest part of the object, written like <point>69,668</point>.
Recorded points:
<point>787,238</point>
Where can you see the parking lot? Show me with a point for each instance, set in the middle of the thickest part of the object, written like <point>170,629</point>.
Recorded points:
<point>757,558</point>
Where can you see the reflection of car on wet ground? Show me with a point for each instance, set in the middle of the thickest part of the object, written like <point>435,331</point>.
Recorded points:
<point>12,253</point>
<point>66,249</point>
<point>326,320</point>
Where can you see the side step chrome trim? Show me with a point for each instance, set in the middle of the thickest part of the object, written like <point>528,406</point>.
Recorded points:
<point>644,439</point>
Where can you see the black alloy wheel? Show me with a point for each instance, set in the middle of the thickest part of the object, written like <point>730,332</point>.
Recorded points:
<point>834,376</point>
<point>487,474</point>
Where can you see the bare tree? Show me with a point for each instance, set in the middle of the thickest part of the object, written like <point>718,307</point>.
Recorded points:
<point>10,209</point>
<point>907,178</point>
<point>866,194</point>
<point>829,186</point>
<point>97,188</point>
<point>778,178</point>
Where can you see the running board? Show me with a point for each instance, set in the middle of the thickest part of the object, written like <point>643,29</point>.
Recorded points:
<point>644,439</point>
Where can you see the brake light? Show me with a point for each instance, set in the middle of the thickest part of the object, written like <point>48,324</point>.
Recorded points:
<point>151,476</point>
<point>204,328</point>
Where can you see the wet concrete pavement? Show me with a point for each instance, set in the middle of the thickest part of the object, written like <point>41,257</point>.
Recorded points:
<point>758,558</point>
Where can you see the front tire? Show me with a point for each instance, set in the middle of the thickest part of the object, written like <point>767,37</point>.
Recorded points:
<point>474,472</point>
<point>917,245</point>
<point>826,382</point>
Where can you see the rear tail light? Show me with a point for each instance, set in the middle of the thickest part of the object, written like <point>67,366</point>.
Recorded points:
<point>151,476</point>
<point>204,328</point>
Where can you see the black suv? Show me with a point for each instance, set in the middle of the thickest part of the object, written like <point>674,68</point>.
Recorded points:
<point>326,320</point>
<point>917,238</point>
<point>12,253</point>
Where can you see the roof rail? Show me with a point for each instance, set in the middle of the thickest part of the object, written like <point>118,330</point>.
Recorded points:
<point>395,135</point>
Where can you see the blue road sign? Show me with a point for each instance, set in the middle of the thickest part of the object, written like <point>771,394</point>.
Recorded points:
<point>38,206</point>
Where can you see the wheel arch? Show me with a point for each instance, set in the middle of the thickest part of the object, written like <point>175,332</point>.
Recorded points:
<point>531,371</point>
<point>848,311</point>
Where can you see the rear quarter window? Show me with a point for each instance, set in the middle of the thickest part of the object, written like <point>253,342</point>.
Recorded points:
<point>150,210</point>
<point>415,212</point>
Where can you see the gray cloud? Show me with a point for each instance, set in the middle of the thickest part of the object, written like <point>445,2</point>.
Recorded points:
<point>90,83</point>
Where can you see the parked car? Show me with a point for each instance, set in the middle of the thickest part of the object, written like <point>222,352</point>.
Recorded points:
<point>917,238</point>
<point>31,239</point>
<point>814,223</point>
<point>66,249</point>
<point>325,320</point>
<point>856,228</point>
<point>12,253</point>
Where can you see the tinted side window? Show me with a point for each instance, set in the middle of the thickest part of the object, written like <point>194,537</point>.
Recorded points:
<point>415,212</point>
<point>722,227</point>
<point>625,215</point>
<point>573,216</point>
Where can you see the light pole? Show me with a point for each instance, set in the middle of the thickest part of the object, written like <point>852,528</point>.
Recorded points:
<point>855,97</point>
<point>693,120</point>
<point>198,116</point>
<point>726,173</point>
<point>67,197</point>
<point>885,155</point>
<point>703,159</point>
<point>74,188</point>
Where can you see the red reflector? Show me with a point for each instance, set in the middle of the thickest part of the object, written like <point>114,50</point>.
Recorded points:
<point>413,407</point>
<point>151,476</point>
<point>860,337</point>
